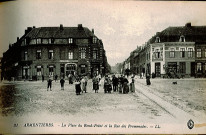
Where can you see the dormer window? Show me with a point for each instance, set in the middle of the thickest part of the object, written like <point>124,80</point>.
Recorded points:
<point>94,40</point>
<point>182,38</point>
<point>157,40</point>
<point>25,41</point>
<point>70,40</point>
<point>39,41</point>
<point>50,41</point>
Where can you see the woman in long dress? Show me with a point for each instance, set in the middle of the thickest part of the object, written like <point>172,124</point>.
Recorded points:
<point>125,86</point>
<point>83,85</point>
<point>95,81</point>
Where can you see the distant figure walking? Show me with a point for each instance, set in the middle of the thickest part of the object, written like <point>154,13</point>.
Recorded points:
<point>49,83</point>
<point>148,79</point>
<point>62,81</point>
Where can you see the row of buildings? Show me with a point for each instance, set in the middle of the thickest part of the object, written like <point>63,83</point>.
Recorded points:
<point>51,51</point>
<point>175,50</point>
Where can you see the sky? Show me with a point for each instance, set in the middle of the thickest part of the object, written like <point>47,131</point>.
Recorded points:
<point>122,25</point>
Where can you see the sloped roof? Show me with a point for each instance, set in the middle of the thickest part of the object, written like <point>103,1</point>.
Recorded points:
<point>172,34</point>
<point>56,32</point>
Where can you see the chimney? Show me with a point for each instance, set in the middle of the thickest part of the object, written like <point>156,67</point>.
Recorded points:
<point>93,31</point>
<point>61,27</point>
<point>188,24</point>
<point>80,27</point>
<point>17,39</point>
<point>28,30</point>
<point>157,33</point>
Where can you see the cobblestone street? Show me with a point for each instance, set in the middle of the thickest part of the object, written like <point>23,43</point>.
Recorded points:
<point>33,98</point>
<point>31,101</point>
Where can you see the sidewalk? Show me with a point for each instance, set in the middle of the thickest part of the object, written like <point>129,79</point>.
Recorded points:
<point>172,106</point>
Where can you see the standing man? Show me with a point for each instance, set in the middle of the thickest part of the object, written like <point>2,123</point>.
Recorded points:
<point>42,78</point>
<point>114,83</point>
<point>62,81</point>
<point>49,83</point>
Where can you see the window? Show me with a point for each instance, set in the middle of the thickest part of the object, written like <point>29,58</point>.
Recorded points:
<point>25,41</point>
<point>182,67</point>
<point>51,54</point>
<point>147,56</point>
<point>39,41</point>
<point>190,52</point>
<point>70,67</point>
<point>38,70</point>
<point>51,70</point>
<point>70,40</point>
<point>94,54</point>
<point>83,53</point>
<point>25,55</point>
<point>157,53</point>
<point>198,53</point>
<point>94,40</point>
<point>205,52</point>
<point>157,40</point>
<point>172,53</point>
<point>199,67</point>
<point>182,52</point>
<point>182,39</point>
<point>70,55</point>
<point>50,41</point>
<point>38,54</point>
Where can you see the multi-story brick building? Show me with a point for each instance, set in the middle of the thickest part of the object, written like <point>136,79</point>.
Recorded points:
<point>176,50</point>
<point>51,51</point>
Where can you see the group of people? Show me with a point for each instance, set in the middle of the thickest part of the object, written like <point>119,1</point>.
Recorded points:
<point>117,84</point>
<point>80,83</point>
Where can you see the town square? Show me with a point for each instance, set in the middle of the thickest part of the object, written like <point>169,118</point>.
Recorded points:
<point>103,67</point>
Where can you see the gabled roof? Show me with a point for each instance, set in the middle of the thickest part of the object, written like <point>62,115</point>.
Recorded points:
<point>56,32</point>
<point>172,34</point>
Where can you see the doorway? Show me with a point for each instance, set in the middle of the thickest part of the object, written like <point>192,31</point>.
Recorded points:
<point>157,69</point>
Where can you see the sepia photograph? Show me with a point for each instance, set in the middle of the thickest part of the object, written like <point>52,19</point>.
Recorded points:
<point>102,67</point>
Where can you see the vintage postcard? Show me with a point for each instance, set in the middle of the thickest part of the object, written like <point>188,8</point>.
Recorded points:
<point>102,67</point>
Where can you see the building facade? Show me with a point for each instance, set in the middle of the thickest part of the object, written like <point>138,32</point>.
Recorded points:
<point>175,50</point>
<point>50,51</point>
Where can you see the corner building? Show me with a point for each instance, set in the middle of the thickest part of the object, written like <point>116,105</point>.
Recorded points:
<point>51,51</point>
